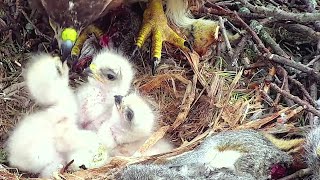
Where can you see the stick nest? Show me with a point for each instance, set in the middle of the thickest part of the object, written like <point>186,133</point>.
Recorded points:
<point>266,79</point>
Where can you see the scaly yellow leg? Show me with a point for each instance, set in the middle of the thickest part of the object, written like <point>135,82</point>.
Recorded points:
<point>155,23</point>
<point>83,37</point>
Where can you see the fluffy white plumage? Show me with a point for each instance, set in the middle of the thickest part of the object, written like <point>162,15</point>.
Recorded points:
<point>178,13</point>
<point>43,142</point>
<point>132,123</point>
<point>89,153</point>
<point>46,78</point>
<point>111,74</point>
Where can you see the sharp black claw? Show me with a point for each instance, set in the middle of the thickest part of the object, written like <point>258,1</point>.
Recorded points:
<point>154,64</point>
<point>72,61</point>
<point>135,49</point>
<point>188,45</point>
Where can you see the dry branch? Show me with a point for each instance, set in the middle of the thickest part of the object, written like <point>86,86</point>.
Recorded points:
<point>225,37</point>
<point>279,14</point>
<point>301,67</point>
<point>296,99</point>
<point>259,29</point>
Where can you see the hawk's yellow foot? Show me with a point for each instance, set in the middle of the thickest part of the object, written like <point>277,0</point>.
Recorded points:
<point>155,24</point>
<point>91,29</point>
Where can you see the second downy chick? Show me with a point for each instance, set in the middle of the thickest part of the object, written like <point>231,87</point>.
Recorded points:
<point>110,74</point>
<point>133,122</point>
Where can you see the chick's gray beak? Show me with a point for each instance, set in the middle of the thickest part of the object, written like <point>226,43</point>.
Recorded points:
<point>65,49</point>
<point>118,100</point>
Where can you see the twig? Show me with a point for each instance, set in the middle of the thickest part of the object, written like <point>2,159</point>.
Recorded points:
<point>267,98</point>
<point>314,91</point>
<point>301,67</point>
<point>311,7</point>
<point>304,91</point>
<point>285,86</point>
<point>34,26</point>
<point>18,9</point>
<point>233,27</point>
<point>296,99</point>
<point>239,49</point>
<point>225,37</point>
<point>313,61</point>
<point>218,10</point>
<point>255,65</point>
<point>279,14</point>
<point>253,34</point>
<point>265,36</point>
<point>258,123</point>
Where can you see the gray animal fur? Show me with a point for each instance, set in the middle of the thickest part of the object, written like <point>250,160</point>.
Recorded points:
<point>186,172</point>
<point>259,154</point>
<point>311,147</point>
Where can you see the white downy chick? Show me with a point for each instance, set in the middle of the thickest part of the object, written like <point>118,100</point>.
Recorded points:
<point>133,122</point>
<point>46,78</point>
<point>32,145</point>
<point>110,74</point>
<point>42,145</point>
<point>89,153</point>
<point>43,141</point>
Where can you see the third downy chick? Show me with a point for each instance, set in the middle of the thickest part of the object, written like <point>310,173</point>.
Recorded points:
<point>110,74</point>
<point>133,122</point>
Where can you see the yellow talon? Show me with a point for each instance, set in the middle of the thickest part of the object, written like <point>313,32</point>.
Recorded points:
<point>83,37</point>
<point>155,23</point>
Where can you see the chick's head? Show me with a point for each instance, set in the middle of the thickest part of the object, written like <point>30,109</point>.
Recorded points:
<point>111,70</point>
<point>137,118</point>
<point>46,77</point>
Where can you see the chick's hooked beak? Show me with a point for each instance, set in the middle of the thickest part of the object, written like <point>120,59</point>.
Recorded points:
<point>92,71</point>
<point>118,101</point>
<point>69,37</point>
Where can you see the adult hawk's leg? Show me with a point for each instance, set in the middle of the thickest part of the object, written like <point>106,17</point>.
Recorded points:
<point>200,32</point>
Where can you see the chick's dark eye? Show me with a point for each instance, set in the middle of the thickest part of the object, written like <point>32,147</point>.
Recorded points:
<point>111,77</point>
<point>109,74</point>
<point>129,115</point>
